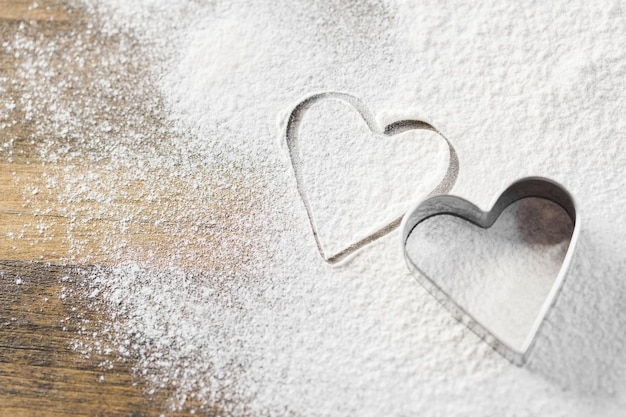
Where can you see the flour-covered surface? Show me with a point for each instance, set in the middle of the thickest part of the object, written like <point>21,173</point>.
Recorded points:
<point>251,319</point>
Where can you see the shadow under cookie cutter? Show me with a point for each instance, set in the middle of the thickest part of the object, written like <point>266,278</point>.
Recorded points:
<point>459,207</point>
<point>291,136</point>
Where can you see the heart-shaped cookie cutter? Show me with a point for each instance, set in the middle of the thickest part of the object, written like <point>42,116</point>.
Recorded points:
<point>291,137</point>
<point>456,206</point>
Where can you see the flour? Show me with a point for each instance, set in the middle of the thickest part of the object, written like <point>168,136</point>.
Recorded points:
<point>259,324</point>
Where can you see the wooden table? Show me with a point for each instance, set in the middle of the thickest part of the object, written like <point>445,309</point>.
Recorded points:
<point>40,373</point>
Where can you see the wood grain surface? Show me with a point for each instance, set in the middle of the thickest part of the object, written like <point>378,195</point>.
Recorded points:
<point>41,371</point>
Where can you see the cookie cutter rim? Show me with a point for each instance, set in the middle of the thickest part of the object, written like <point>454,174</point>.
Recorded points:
<point>538,187</point>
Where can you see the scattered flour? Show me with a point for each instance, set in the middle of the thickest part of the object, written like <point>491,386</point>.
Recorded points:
<point>260,325</point>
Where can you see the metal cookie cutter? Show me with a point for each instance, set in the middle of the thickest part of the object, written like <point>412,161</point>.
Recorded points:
<point>459,207</point>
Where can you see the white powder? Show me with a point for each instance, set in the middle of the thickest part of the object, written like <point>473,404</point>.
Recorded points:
<point>269,328</point>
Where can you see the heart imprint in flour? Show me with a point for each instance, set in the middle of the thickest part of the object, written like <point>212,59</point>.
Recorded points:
<point>356,177</point>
